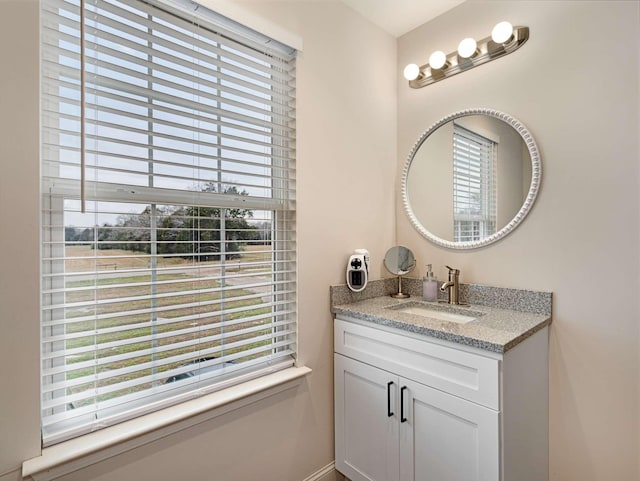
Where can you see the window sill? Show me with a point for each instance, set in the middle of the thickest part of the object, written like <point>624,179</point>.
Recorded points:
<point>78,453</point>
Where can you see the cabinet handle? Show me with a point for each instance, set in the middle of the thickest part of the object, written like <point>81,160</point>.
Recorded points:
<point>389,412</point>
<point>402,418</point>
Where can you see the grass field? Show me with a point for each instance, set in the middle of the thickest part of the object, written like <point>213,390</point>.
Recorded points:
<point>118,320</point>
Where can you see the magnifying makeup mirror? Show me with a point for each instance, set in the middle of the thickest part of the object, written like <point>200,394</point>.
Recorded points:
<point>399,260</point>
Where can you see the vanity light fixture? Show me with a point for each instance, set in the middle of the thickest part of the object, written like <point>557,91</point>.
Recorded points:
<point>502,32</point>
<point>438,60</point>
<point>504,39</point>
<point>467,48</point>
<point>411,71</point>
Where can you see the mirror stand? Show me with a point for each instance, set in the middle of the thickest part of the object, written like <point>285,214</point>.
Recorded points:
<point>400,294</point>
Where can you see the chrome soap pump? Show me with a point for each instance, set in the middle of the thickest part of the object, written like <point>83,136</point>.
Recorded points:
<point>358,270</point>
<point>429,286</point>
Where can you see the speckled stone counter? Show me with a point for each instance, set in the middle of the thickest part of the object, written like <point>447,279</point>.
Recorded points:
<point>497,329</point>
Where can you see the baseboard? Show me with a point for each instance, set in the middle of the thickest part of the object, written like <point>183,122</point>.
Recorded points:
<point>14,475</point>
<point>327,473</point>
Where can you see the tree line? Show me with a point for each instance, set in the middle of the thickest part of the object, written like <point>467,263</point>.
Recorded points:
<point>178,230</point>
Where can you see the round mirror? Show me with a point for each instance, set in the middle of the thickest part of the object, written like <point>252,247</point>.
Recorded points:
<point>399,260</point>
<point>471,178</point>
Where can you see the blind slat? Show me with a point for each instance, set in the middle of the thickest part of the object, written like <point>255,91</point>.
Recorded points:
<point>65,421</point>
<point>163,270</point>
<point>117,192</point>
<point>214,121</point>
<point>98,288</point>
<point>174,25</point>
<point>102,391</point>
<point>173,105</point>
<point>146,325</point>
<point>156,310</point>
<point>95,365</point>
<point>133,299</point>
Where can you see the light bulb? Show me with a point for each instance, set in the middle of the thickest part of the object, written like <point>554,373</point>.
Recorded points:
<point>502,32</point>
<point>411,71</point>
<point>437,60</point>
<point>467,47</point>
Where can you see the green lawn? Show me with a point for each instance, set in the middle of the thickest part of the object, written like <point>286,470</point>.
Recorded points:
<point>186,289</point>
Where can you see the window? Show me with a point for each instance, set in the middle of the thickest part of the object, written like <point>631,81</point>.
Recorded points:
<point>474,185</point>
<point>168,209</point>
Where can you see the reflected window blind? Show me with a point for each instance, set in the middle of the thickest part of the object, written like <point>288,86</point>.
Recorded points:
<point>175,275</point>
<point>474,185</point>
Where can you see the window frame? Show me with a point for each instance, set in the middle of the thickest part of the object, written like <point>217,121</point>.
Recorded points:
<point>474,166</point>
<point>282,207</point>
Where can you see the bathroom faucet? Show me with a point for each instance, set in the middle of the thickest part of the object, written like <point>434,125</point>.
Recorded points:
<point>452,285</point>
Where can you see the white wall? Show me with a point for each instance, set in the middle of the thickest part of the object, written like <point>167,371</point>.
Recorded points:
<point>19,251</point>
<point>581,239</point>
<point>430,182</point>
<point>346,158</point>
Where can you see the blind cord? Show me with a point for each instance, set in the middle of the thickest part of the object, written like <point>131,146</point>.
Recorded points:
<point>83,207</point>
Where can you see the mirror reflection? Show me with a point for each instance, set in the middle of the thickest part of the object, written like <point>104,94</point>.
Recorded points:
<point>399,260</point>
<point>469,179</point>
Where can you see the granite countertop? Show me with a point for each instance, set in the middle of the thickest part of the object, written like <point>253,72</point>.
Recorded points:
<point>497,329</point>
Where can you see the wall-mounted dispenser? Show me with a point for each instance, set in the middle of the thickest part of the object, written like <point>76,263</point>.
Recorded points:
<point>358,270</point>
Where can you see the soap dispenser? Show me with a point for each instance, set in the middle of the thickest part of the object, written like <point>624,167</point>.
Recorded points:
<point>429,286</point>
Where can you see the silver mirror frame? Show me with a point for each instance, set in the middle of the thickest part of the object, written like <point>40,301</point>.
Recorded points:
<point>536,176</point>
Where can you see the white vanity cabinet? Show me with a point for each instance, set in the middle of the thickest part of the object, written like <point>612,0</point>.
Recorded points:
<point>413,408</point>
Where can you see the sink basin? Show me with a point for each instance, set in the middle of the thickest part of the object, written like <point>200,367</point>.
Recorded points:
<point>441,313</point>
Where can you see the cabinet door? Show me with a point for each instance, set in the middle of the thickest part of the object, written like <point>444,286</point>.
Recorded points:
<point>366,421</point>
<point>445,438</point>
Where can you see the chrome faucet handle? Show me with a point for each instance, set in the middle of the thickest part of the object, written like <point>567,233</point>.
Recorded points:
<point>453,272</point>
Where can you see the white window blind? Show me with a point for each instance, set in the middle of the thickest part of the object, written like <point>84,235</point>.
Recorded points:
<point>474,185</point>
<point>176,275</point>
